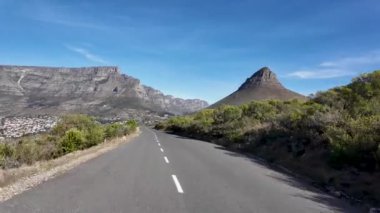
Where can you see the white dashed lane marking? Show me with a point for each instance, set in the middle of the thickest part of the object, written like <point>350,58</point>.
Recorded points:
<point>177,184</point>
<point>175,179</point>
<point>166,159</point>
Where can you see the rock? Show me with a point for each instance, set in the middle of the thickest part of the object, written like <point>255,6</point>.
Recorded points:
<point>90,90</point>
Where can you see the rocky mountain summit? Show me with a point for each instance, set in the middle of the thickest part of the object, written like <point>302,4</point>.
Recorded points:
<point>28,90</point>
<point>262,85</point>
<point>263,77</point>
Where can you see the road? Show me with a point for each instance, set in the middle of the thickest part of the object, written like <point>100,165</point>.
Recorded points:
<point>158,172</point>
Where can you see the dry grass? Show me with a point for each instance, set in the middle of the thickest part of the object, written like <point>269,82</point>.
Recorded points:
<point>15,181</point>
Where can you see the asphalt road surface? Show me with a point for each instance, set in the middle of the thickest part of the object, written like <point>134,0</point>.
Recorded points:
<point>158,172</point>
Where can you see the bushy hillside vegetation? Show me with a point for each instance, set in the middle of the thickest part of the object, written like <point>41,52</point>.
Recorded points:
<point>73,132</point>
<point>335,130</point>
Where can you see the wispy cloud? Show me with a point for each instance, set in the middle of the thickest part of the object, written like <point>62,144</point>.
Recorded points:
<point>61,14</point>
<point>348,66</point>
<point>321,73</point>
<point>368,59</point>
<point>87,54</point>
<point>71,23</point>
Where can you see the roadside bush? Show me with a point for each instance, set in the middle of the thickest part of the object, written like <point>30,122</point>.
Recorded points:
<point>226,114</point>
<point>6,150</point>
<point>73,140</point>
<point>179,124</point>
<point>49,147</point>
<point>26,152</point>
<point>120,129</point>
<point>91,130</point>
<point>261,111</point>
<point>132,124</point>
<point>356,142</point>
<point>202,123</point>
<point>78,121</point>
<point>94,136</point>
<point>114,130</point>
<point>7,153</point>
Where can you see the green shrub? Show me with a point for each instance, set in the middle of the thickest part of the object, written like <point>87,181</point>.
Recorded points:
<point>26,152</point>
<point>94,136</point>
<point>261,111</point>
<point>73,140</point>
<point>356,142</point>
<point>7,153</point>
<point>80,122</point>
<point>179,123</point>
<point>6,150</point>
<point>132,124</point>
<point>225,114</point>
<point>49,147</point>
<point>113,130</point>
<point>202,122</point>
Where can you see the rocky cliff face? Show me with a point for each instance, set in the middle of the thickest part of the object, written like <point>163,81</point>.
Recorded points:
<point>262,85</point>
<point>95,90</point>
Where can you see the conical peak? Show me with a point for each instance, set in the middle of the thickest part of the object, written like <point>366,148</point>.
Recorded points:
<point>264,72</point>
<point>261,77</point>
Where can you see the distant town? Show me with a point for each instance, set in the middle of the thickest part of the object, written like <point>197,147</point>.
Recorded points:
<point>14,127</point>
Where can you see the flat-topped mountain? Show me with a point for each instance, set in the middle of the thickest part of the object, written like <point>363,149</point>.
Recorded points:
<point>93,90</point>
<point>262,85</point>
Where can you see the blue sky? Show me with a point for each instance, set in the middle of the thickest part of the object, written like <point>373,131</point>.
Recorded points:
<point>198,49</point>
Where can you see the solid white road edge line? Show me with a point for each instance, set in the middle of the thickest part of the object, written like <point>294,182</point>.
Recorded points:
<point>166,159</point>
<point>177,184</point>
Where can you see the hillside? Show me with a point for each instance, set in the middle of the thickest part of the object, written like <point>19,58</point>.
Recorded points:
<point>262,85</point>
<point>93,90</point>
<point>333,138</point>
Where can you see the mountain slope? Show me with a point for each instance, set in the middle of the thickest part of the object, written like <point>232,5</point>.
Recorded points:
<point>94,90</point>
<point>262,85</point>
